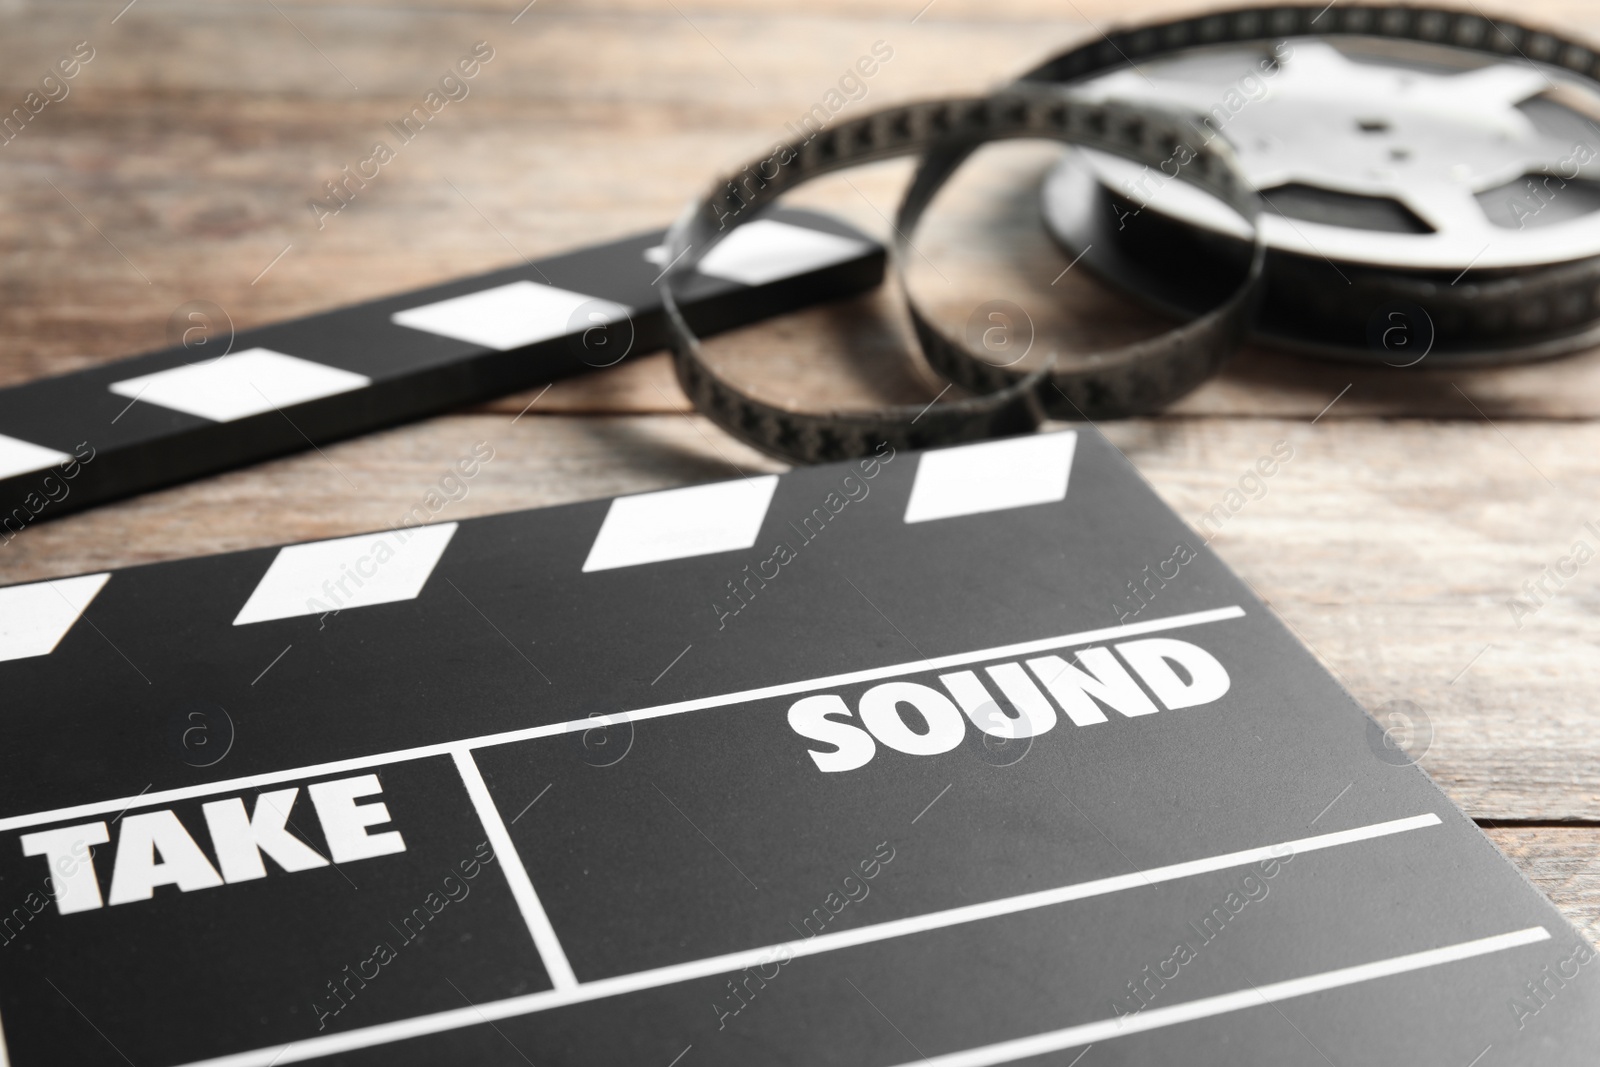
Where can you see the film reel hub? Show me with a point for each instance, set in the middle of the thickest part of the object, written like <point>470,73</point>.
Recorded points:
<point>1381,156</point>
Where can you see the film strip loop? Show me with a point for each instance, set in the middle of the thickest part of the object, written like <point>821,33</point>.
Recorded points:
<point>1130,380</point>
<point>1134,379</point>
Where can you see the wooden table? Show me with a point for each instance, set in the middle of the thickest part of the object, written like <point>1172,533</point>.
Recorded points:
<point>181,165</point>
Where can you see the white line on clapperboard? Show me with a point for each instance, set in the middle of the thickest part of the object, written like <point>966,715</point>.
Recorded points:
<point>1255,996</point>
<point>450,748</point>
<point>1002,1052</point>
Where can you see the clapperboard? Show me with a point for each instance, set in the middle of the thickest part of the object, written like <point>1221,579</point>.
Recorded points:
<point>125,427</point>
<point>966,757</point>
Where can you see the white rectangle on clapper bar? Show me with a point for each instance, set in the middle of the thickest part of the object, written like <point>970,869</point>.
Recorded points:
<point>236,386</point>
<point>513,315</point>
<point>680,523</point>
<point>34,618</point>
<point>21,457</point>
<point>347,572</point>
<point>1014,472</point>
<point>766,250</point>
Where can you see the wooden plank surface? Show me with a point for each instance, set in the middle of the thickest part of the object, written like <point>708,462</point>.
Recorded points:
<point>182,162</point>
<point>1564,863</point>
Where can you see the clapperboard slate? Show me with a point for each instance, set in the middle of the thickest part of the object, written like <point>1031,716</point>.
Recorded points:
<point>136,424</point>
<point>878,763</point>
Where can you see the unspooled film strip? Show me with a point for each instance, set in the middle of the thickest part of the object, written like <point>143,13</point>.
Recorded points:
<point>877,764</point>
<point>84,438</point>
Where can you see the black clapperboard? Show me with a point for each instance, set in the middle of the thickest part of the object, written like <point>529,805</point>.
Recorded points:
<point>876,764</point>
<point>125,427</point>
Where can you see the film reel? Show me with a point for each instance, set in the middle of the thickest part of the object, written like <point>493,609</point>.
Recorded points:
<point>1426,174</point>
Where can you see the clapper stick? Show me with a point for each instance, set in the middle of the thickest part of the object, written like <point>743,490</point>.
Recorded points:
<point>81,439</point>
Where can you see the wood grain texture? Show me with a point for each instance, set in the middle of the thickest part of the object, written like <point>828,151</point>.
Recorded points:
<point>1564,863</point>
<point>183,161</point>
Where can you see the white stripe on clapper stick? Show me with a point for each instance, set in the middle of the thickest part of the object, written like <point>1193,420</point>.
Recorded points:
<point>505,852</point>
